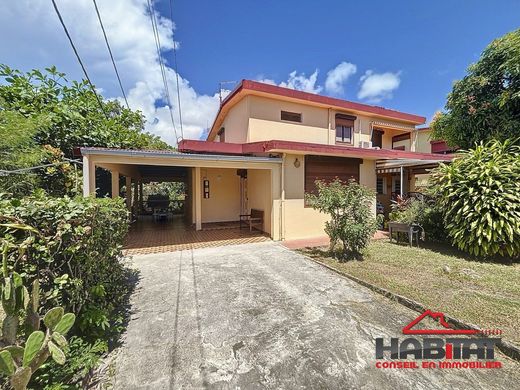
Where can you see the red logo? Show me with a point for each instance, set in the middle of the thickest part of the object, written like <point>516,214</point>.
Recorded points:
<point>439,317</point>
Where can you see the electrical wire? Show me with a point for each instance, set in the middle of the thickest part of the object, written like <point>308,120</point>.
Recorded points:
<point>79,58</point>
<point>110,52</point>
<point>161,64</point>
<point>176,69</point>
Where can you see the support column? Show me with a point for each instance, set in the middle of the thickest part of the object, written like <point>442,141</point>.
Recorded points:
<point>141,205</point>
<point>136,198</point>
<point>128,184</point>
<point>115,184</point>
<point>198,200</point>
<point>89,177</point>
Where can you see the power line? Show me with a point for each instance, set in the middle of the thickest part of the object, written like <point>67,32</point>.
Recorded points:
<point>79,58</point>
<point>161,64</point>
<point>176,68</point>
<point>110,52</point>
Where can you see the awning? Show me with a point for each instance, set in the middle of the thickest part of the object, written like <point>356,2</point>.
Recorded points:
<point>392,126</point>
<point>394,166</point>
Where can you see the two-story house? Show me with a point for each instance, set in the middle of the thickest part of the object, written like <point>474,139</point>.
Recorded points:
<point>265,150</point>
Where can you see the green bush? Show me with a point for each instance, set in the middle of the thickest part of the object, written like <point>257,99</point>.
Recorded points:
<point>426,213</point>
<point>350,207</point>
<point>77,259</point>
<point>479,193</point>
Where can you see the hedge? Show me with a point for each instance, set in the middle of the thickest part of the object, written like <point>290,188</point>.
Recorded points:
<point>76,255</point>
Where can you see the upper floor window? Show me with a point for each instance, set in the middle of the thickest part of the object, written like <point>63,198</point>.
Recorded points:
<point>377,138</point>
<point>345,128</point>
<point>291,116</point>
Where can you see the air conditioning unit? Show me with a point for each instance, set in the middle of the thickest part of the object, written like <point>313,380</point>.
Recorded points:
<point>365,144</point>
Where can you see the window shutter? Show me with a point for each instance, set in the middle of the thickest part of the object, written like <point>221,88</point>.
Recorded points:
<point>329,168</point>
<point>345,120</point>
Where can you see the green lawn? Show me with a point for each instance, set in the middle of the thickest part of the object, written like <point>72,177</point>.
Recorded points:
<point>442,279</point>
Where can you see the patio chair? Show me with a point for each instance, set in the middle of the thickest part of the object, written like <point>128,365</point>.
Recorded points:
<point>254,219</point>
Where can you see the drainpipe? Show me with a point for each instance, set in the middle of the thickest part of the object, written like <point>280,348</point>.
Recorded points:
<point>282,201</point>
<point>401,189</point>
<point>371,130</point>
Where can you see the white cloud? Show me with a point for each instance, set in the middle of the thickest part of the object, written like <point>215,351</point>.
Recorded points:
<point>378,86</point>
<point>297,81</point>
<point>36,40</point>
<point>303,83</point>
<point>337,77</point>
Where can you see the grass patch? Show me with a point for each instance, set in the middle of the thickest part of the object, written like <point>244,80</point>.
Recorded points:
<point>482,293</point>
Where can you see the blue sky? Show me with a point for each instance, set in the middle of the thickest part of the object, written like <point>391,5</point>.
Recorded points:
<point>412,50</point>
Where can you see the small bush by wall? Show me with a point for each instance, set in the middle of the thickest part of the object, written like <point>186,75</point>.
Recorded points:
<point>352,221</point>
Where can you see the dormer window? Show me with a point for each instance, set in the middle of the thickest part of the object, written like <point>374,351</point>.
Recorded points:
<point>345,128</point>
<point>291,116</point>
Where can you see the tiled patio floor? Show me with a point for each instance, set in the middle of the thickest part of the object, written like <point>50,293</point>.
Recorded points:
<point>146,237</point>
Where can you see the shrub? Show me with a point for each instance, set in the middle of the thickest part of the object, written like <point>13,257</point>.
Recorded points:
<point>76,257</point>
<point>25,348</point>
<point>426,213</point>
<point>479,193</point>
<point>352,220</point>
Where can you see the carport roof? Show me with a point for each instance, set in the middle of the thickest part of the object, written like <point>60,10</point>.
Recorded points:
<point>173,154</point>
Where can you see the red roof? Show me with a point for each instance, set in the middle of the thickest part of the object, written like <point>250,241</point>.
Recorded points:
<point>320,99</point>
<point>192,146</point>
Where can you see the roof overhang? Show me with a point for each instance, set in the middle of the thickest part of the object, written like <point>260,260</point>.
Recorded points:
<point>132,155</point>
<point>276,146</point>
<point>249,87</point>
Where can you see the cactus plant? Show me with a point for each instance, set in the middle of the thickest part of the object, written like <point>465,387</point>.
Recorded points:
<point>20,360</point>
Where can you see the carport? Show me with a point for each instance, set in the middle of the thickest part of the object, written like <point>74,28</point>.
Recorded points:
<point>218,190</point>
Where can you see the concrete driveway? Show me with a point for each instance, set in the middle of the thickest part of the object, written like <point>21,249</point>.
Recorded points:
<point>260,316</point>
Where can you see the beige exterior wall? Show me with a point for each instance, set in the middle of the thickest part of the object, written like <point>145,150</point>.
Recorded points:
<point>299,221</point>
<point>265,123</point>
<point>236,122</point>
<point>368,177</point>
<point>317,126</point>
<point>423,141</point>
<point>223,203</point>
<point>260,195</point>
<point>305,222</point>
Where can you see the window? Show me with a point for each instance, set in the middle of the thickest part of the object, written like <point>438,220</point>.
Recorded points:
<point>381,185</point>
<point>344,128</point>
<point>396,188</point>
<point>377,138</point>
<point>291,116</point>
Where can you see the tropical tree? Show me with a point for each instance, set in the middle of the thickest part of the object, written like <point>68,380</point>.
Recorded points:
<point>43,117</point>
<point>485,104</point>
<point>18,150</point>
<point>75,117</point>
